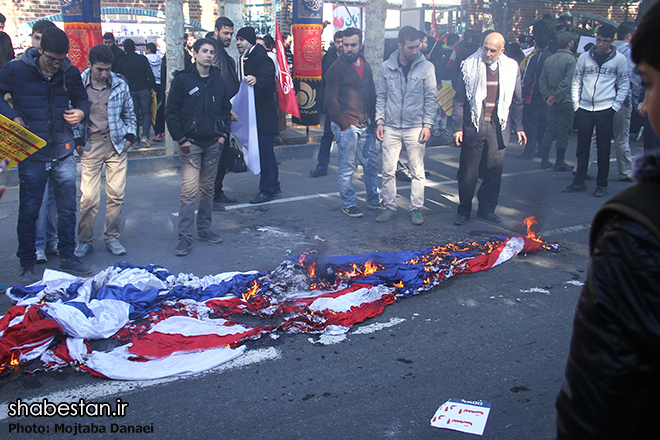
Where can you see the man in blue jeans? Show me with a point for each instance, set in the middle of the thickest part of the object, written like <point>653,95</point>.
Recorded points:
<point>49,98</point>
<point>351,99</point>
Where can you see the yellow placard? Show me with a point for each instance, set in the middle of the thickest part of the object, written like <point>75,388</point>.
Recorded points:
<point>446,97</point>
<point>16,142</point>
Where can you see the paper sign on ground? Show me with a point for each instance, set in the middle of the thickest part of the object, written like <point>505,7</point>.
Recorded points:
<point>16,142</point>
<point>462,415</point>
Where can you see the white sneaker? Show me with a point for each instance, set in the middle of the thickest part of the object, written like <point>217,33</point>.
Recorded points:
<point>115,248</point>
<point>82,249</point>
<point>41,256</point>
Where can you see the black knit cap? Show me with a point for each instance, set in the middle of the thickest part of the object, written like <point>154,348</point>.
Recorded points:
<point>248,33</point>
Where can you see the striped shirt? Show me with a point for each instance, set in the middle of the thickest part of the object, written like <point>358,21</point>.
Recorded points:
<point>492,83</point>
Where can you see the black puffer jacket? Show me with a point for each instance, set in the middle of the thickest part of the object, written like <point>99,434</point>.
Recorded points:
<point>198,110</point>
<point>612,386</point>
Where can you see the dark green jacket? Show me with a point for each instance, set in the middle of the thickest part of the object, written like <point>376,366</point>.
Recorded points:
<point>557,76</point>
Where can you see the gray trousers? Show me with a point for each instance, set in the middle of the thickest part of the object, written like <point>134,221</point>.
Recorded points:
<point>198,171</point>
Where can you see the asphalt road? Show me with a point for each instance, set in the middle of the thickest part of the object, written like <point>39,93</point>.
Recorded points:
<point>500,335</point>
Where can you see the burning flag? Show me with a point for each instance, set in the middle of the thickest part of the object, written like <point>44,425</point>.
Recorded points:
<point>156,324</point>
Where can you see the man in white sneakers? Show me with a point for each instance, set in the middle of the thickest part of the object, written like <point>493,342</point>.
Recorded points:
<point>104,138</point>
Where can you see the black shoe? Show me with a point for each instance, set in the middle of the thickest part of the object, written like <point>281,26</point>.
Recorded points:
<point>460,220</point>
<point>222,198</point>
<point>182,248</point>
<point>562,167</point>
<point>74,266</point>
<point>545,164</point>
<point>600,191</point>
<point>27,276</point>
<point>262,198</point>
<point>491,217</point>
<point>403,177</point>
<point>575,188</point>
<point>218,206</point>
<point>318,172</point>
<point>209,236</point>
<point>352,211</point>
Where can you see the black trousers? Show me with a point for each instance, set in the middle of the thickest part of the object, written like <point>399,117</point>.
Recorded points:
<point>223,166</point>
<point>487,156</point>
<point>535,118</point>
<point>586,122</point>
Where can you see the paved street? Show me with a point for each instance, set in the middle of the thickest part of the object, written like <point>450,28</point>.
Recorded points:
<point>500,335</point>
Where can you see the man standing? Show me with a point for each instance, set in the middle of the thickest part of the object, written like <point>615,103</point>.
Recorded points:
<point>49,97</point>
<point>534,109</point>
<point>622,118</point>
<point>198,116</point>
<point>224,29</point>
<point>600,86</point>
<point>351,99</point>
<point>117,53</point>
<point>405,107</point>
<point>137,71</point>
<point>326,140</point>
<point>555,87</point>
<point>488,99</point>
<point>104,139</point>
<point>288,49</point>
<point>258,70</point>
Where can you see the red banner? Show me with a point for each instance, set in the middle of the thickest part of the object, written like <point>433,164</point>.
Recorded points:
<point>436,32</point>
<point>287,94</point>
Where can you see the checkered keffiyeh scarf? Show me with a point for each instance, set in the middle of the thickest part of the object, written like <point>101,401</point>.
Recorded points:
<point>473,70</point>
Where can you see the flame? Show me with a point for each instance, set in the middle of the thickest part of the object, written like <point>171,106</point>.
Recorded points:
<point>14,359</point>
<point>528,223</point>
<point>370,267</point>
<point>251,291</point>
<point>312,270</point>
<point>398,284</point>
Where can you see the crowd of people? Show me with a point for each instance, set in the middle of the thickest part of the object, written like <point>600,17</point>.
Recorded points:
<point>612,374</point>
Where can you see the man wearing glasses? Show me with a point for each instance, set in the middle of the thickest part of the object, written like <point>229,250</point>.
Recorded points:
<point>49,97</point>
<point>600,87</point>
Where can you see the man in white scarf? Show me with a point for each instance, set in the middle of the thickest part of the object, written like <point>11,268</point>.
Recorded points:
<point>489,86</point>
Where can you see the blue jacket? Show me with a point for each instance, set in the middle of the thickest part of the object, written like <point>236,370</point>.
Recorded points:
<point>41,102</point>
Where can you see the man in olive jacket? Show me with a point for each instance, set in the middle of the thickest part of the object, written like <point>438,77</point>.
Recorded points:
<point>555,86</point>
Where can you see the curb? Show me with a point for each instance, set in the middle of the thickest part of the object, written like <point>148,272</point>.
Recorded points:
<point>158,164</point>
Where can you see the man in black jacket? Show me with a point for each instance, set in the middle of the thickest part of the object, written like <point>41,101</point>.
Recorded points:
<point>48,98</point>
<point>137,70</point>
<point>258,70</point>
<point>224,29</point>
<point>198,116</point>
<point>612,379</point>
<point>117,53</point>
<point>326,141</point>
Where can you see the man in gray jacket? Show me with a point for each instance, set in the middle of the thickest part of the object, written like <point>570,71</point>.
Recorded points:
<point>555,87</point>
<point>405,107</point>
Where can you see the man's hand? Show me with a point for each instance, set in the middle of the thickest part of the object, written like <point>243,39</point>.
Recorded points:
<point>19,121</point>
<point>221,141</point>
<point>234,116</point>
<point>185,147</point>
<point>250,80</point>
<point>74,116</point>
<point>80,149</point>
<point>127,145</point>
<point>425,135</point>
<point>550,101</point>
<point>380,132</point>
<point>458,138</point>
<point>522,138</point>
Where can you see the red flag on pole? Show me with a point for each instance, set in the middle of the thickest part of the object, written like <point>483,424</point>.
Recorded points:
<point>436,32</point>
<point>288,100</point>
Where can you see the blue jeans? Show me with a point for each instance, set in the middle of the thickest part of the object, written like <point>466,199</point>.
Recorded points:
<point>142,108</point>
<point>33,177</point>
<point>356,147</point>
<point>46,233</point>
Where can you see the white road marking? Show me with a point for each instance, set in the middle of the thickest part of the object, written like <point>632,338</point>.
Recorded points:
<point>371,328</point>
<point>535,290</point>
<point>99,391</point>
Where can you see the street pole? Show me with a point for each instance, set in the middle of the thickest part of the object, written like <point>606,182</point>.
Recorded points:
<point>375,35</point>
<point>174,42</point>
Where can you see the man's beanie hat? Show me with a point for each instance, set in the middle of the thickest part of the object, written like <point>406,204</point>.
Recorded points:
<point>248,33</point>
